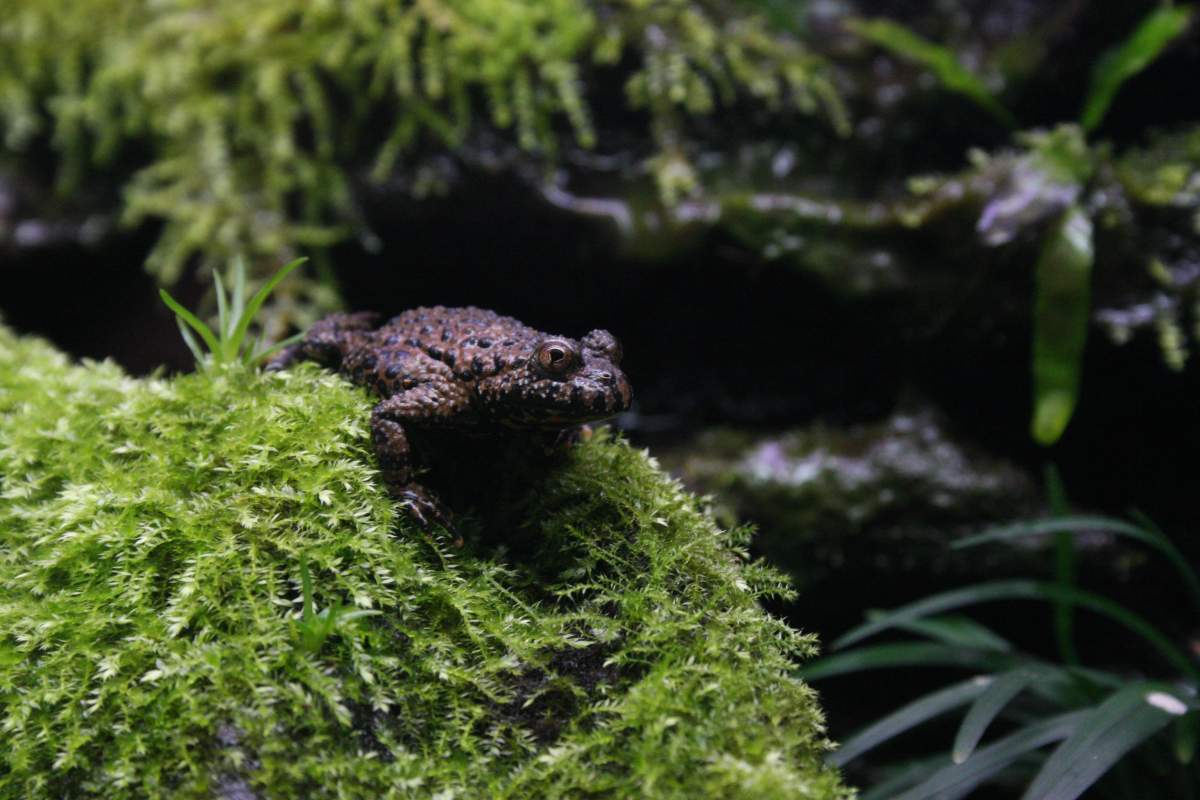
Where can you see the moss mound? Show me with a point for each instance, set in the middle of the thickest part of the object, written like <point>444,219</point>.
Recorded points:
<point>151,540</point>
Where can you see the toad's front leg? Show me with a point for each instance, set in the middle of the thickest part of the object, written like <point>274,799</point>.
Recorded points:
<point>421,405</point>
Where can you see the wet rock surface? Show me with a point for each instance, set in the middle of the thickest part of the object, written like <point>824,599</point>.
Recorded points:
<point>887,496</point>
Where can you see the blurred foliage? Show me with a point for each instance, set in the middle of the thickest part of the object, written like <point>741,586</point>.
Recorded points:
<point>938,59</point>
<point>1062,302</point>
<point>1159,28</point>
<point>1056,171</point>
<point>1102,718</point>
<point>246,121</point>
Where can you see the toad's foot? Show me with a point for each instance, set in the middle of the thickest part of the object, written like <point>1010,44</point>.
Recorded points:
<point>425,509</point>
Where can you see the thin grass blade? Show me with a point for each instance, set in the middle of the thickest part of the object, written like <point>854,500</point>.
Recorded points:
<point>1143,46</point>
<point>223,328</point>
<point>1064,567</point>
<point>909,716</point>
<point>259,298</point>
<point>1109,731</point>
<point>1072,687</point>
<point>1161,542</point>
<point>275,348</point>
<point>248,355</point>
<point>238,303</point>
<point>1187,732</point>
<point>903,654</point>
<point>1025,590</point>
<point>904,777</point>
<point>190,340</point>
<point>959,780</point>
<point>940,60</point>
<point>985,708</point>
<point>936,604</point>
<point>957,631</point>
<point>191,319</point>
<point>1145,532</point>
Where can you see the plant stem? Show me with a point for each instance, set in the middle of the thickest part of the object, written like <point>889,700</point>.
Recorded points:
<point>1064,568</point>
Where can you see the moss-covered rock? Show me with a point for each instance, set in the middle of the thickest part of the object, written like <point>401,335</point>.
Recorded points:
<point>882,499</point>
<point>152,536</point>
<point>246,129</point>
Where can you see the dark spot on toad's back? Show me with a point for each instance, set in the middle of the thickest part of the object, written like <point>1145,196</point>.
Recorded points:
<point>521,391</point>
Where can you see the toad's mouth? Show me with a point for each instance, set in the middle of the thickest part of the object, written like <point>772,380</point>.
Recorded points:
<point>534,418</point>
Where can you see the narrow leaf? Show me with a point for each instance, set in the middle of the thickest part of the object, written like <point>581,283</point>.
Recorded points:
<point>275,348</point>
<point>1118,65</point>
<point>1161,542</point>
<point>1147,533</point>
<point>191,319</point>
<point>901,41</point>
<point>238,303</point>
<point>223,329</point>
<point>903,654</point>
<point>935,604</point>
<point>904,776</point>
<point>259,298</point>
<point>1064,568</point>
<point>1062,305</point>
<point>190,340</point>
<point>1103,737</point>
<point>1187,731</point>
<point>957,631</point>
<point>248,356</point>
<point>1029,590</point>
<point>959,780</point>
<point>1070,687</point>
<point>909,716</point>
<point>985,708</point>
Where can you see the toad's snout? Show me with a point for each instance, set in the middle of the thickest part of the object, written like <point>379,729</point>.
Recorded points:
<point>609,391</point>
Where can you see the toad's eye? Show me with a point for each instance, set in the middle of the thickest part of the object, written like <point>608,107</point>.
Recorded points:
<point>557,356</point>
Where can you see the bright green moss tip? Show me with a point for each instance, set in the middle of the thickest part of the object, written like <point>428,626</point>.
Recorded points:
<point>151,532</point>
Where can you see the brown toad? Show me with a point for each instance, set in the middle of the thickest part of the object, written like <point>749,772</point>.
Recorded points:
<point>468,370</point>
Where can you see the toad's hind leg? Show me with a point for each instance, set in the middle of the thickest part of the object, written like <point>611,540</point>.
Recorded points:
<point>388,419</point>
<point>395,464</point>
<point>327,340</point>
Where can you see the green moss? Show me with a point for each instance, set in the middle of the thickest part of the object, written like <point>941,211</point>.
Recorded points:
<point>151,534</point>
<point>255,116</point>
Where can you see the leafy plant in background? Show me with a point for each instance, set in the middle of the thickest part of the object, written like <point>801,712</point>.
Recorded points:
<point>1100,720</point>
<point>229,343</point>
<point>1058,169</point>
<point>255,118</point>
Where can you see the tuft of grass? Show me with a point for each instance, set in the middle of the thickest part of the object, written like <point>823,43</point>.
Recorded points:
<point>315,627</point>
<point>158,635</point>
<point>228,344</point>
